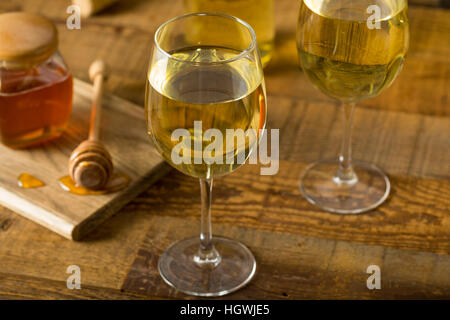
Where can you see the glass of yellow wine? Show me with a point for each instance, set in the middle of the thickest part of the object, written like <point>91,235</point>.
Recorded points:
<point>351,51</point>
<point>205,85</point>
<point>258,13</point>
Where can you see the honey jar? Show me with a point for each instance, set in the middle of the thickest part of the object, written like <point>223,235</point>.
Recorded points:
<point>35,83</point>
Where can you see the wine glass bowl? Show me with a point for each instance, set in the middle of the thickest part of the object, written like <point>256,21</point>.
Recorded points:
<point>200,73</point>
<point>205,82</point>
<point>351,51</point>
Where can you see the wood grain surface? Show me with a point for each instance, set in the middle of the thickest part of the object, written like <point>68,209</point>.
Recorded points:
<point>302,267</point>
<point>301,251</point>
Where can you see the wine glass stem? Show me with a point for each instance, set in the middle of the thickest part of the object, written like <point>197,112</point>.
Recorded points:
<point>345,173</point>
<point>207,255</point>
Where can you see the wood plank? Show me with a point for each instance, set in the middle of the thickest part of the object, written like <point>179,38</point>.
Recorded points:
<point>73,216</point>
<point>296,267</point>
<point>412,149</point>
<point>430,3</point>
<point>402,144</point>
<point>104,255</point>
<point>21,287</point>
<point>415,217</point>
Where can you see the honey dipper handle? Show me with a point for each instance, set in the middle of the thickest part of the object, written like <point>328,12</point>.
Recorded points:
<point>96,73</point>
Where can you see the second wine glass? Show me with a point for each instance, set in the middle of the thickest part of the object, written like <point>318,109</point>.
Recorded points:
<point>351,51</point>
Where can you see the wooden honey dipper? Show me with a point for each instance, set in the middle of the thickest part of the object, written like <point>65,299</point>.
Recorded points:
<point>90,164</point>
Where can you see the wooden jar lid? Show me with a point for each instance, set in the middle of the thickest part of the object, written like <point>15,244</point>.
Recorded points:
<point>26,39</point>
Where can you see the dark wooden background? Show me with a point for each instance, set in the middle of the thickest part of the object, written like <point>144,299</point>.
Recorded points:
<point>302,252</point>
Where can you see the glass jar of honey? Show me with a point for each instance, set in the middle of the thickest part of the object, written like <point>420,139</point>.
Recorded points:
<point>35,83</point>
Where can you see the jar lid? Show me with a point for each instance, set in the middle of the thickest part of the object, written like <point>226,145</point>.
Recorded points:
<point>26,39</point>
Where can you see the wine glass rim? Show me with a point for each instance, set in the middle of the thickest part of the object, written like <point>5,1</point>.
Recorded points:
<point>222,15</point>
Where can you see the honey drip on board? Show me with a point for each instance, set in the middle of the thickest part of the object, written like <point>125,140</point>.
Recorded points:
<point>27,181</point>
<point>117,182</point>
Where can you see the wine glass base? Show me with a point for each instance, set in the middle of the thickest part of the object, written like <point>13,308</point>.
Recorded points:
<point>178,268</point>
<point>370,190</point>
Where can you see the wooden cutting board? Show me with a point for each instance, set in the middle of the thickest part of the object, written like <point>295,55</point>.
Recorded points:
<point>70,215</point>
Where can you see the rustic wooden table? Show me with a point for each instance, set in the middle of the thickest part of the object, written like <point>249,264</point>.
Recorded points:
<point>302,252</point>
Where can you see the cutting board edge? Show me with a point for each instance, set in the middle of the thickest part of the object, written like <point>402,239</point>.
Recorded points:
<point>98,217</point>
<point>41,216</point>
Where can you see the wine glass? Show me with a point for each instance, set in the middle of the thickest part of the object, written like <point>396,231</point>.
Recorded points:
<point>351,51</point>
<point>205,81</point>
